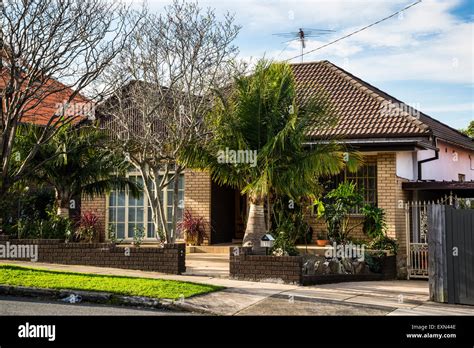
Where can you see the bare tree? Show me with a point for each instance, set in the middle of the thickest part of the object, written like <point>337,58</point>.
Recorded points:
<point>169,69</point>
<point>51,53</point>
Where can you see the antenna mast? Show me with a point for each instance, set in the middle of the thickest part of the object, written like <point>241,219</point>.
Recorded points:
<point>302,35</point>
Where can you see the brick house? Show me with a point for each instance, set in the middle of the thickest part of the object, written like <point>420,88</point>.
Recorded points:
<point>404,150</point>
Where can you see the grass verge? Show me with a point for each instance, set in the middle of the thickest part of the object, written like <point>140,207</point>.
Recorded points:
<point>129,286</point>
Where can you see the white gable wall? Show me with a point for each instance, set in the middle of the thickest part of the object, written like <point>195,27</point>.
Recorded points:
<point>453,160</point>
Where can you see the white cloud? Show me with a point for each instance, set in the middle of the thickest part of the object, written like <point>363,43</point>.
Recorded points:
<point>426,43</point>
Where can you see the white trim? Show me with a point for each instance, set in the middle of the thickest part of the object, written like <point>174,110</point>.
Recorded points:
<point>145,211</point>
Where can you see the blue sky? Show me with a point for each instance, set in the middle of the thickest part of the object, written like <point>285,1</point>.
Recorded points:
<point>423,57</point>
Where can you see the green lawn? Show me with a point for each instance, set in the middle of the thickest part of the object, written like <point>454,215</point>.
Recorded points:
<point>131,286</point>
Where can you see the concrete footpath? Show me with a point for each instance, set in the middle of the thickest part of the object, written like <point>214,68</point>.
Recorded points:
<point>397,297</point>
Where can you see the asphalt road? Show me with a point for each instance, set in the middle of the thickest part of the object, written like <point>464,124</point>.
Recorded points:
<point>27,306</point>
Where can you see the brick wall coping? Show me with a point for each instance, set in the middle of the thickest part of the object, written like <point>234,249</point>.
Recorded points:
<point>167,259</point>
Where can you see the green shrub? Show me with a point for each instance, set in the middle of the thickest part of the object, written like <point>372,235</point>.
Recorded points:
<point>289,226</point>
<point>384,243</point>
<point>374,221</point>
<point>283,245</point>
<point>336,207</point>
<point>138,235</point>
<point>374,262</point>
<point>24,209</point>
<point>53,227</point>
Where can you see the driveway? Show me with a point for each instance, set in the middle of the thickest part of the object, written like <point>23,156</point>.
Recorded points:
<point>208,265</point>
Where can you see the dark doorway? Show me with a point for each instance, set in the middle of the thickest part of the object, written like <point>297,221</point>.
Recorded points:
<point>227,219</point>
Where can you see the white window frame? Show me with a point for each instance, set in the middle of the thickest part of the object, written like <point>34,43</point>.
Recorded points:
<point>128,235</point>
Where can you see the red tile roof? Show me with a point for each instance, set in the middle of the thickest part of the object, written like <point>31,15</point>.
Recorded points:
<point>50,102</point>
<point>363,111</point>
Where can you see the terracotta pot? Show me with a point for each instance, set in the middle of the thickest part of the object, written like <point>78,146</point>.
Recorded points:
<point>322,242</point>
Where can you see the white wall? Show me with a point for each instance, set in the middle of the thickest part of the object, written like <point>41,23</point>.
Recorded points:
<point>405,165</point>
<point>452,161</point>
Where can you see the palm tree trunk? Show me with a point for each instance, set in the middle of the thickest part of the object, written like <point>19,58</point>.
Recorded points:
<point>255,228</point>
<point>63,206</point>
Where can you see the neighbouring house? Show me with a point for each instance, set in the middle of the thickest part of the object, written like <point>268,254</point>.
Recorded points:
<point>407,156</point>
<point>51,104</point>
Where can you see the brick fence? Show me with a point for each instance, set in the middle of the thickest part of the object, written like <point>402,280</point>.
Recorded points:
<point>289,270</point>
<point>286,269</point>
<point>169,259</point>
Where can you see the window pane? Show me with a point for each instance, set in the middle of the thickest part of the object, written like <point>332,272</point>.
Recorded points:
<point>140,200</point>
<point>371,171</point>
<point>139,214</point>
<point>120,230</point>
<point>121,214</point>
<point>121,199</point>
<point>372,183</point>
<point>150,216</point>
<point>112,199</point>
<point>112,215</point>
<point>131,214</point>
<point>151,231</point>
<point>365,180</point>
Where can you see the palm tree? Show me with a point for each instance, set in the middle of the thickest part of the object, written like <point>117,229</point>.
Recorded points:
<point>75,162</point>
<point>261,114</point>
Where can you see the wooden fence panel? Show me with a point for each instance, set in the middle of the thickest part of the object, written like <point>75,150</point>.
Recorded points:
<point>437,265</point>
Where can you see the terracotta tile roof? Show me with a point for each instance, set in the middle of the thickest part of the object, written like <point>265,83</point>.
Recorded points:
<point>363,111</point>
<point>50,103</point>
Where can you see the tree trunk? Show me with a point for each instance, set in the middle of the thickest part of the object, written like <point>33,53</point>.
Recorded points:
<point>175,205</point>
<point>158,214</point>
<point>255,228</point>
<point>62,202</point>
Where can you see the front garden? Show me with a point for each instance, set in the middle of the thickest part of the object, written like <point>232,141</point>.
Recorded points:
<point>289,201</point>
<point>128,286</point>
<point>336,256</point>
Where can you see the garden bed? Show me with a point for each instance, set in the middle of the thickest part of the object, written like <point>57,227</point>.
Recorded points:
<point>168,259</point>
<point>296,270</point>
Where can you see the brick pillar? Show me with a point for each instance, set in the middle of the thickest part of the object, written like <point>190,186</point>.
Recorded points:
<point>392,199</point>
<point>98,207</point>
<point>197,198</point>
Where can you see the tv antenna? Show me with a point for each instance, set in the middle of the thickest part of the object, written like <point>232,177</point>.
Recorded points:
<point>302,35</point>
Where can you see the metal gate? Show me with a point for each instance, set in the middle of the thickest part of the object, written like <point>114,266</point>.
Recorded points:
<point>460,255</point>
<point>417,242</point>
<point>451,239</point>
<point>416,217</point>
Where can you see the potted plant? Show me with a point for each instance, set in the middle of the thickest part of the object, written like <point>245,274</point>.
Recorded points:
<point>193,228</point>
<point>322,239</point>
